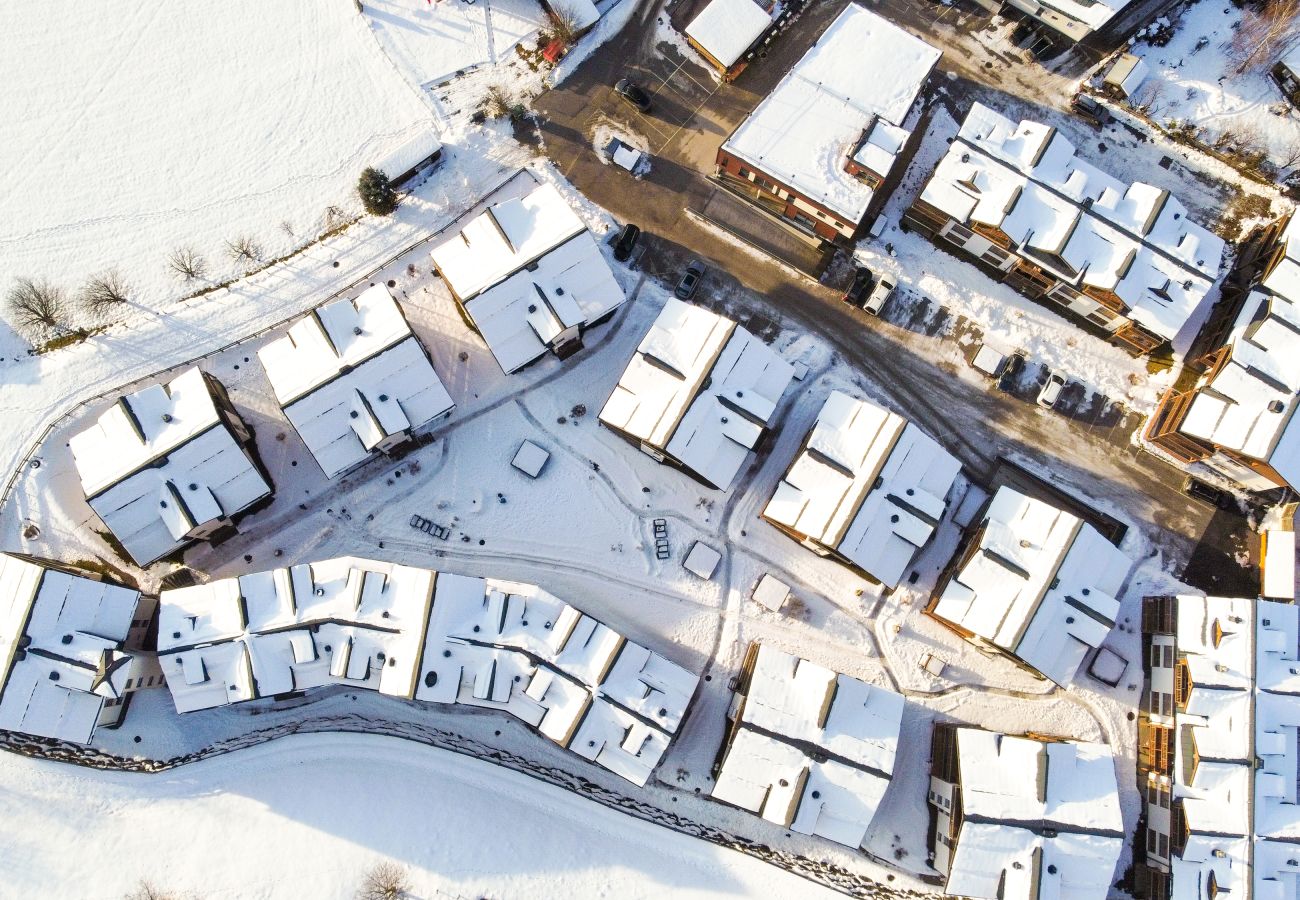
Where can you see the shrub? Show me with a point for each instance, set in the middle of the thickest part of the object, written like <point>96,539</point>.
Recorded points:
<point>377,194</point>
<point>564,23</point>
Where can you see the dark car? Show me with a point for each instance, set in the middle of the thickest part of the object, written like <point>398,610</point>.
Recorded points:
<point>1090,109</point>
<point>626,242</point>
<point>861,284</point>
<point>690,281</point>
<point>632,93</point>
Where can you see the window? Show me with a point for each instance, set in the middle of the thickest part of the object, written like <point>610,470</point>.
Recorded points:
<point>1164,845</point>
<point>1152,840</point>
<point>1155,656</point>
<point>745,173</point>
<point>1169,656</point>
<point>820,214</point>
<point>995,256</point>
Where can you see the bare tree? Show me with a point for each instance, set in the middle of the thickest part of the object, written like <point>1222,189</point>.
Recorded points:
<point>386,881</point>
<point>333,216</point>
<point>564,23</point>
<point>106,289</point>
<point>36,304</point>
<point>1146,98</point>
<point>244,249</point>
<point>1289,152</point>
<point>1264,32</point>
<point>187,263</point>
<point>287,227</point>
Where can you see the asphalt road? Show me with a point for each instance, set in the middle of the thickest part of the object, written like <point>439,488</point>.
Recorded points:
<point>691,115</point>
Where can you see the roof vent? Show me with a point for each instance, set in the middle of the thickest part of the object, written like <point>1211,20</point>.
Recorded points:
<point>893,520</point>
<point>1276,406</point>
<point>1290,862</point>
<point>1051,870</point>
<point>740,393</point>
<point>783,783</point>
<point>380,655</point>
<point>430,679</point>
<point>67,639</point>
<point>446,654</point>
<point>662,711</point>
<point>162,503</point>
<point>383,398</point>
<point>1017,865</point>
<point>1220,667</point>
<point>559,291</point>
<point>1086,591</point>
<point>320,592</point>
<point>816,795</point>
<point>724,420</point>
<point>167,417</point>
<point>356,329</point>
<point>1069,620</point>
<point>910,492</point>
<point>532,307</point>
<point>54,676</point>
<point>353,414</point>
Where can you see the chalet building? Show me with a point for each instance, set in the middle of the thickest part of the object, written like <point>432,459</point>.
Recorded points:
<point>699,394</point>
<point>1237,418</point>
<point>354,380</point>
<point>65,663</point>
<point>1017,200</point>
<point>806,748</point>
<point>727,32</point>
<point>868,489</point>
<point>1033,583</point>
<point>517,649</point>
<point>416,634</point>
<point>169,465</point>
<point>529,277</point>
<point>824,149</point>
<point>1286,72</point>
<point>1023,818</point>
<point>1217,757</point>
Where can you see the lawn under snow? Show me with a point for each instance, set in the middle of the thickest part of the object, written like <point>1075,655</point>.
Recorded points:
<point>309,815</point>
<point>1202,85</point>
<point>133,128</point>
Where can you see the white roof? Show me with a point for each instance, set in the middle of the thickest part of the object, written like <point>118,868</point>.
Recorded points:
<point>662,399</point>
<point>518,649</point>
<point>160,463</point>
<point>1227,858</point>
<point>410,153</point>
<point>60,641</point>
<point>350,376</point>
<point>1277,872</point>
<point>802,132</point>
<point>521,317</point>
<point>1279,564</point>
<point>1248,404</point>
<point>530,459</point>
<point>349,621</point>
<point>868,484</point>
<point>505,238</point>
<point>727,28</point>
<point>702,560</point>
<point>1085,227</point>
<point>789,706</point>
<point>1041,585</point>
<point>1013,791</point>
<point>771,592</point>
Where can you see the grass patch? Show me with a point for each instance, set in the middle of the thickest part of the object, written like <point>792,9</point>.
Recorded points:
<point>71,339</point>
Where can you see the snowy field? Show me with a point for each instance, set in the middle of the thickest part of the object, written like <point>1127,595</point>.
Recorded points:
<point>185,124</point>
<point>308,816</point>
<point>432,41</point>
<point>1195,79</point>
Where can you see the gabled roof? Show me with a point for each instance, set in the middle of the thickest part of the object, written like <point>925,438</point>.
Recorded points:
<point>700,388</point>
<point>1041,584</point>
<point>506,237</point>
<point>1082,225</point>
<point>161,462</point>
<point>868,484</point>
<point>862,66</point>
<point>790,707</point>
<point>60,639</point>
<point>351,375</point>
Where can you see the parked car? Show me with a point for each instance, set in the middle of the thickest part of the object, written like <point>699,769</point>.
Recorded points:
<point>1090,109</point>
<point>690,280</point>
<point>626,242</point>
<point>633,94</point>
<point>879,295</point>
<point>1051,391</point>
<point>1011,369</point>
<point>862,279</point>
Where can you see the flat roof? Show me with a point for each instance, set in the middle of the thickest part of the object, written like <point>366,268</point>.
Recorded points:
<point>862,66</point>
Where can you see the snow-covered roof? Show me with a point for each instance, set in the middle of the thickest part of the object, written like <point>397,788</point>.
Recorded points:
<point>162,462</point>
<point>861,67</point>
<point>521,317</point>
<point>727,28</point>
<point>1248,404</point>
<point>1276,872</point>
<point>791,706</point>
<point>868,484</point>
<point>1080,224</point>
<point>410,153</point>
<point>1041,585</point>
<point>60,645</point>
<point>351,376</point>
<point>701,389</point>
<point>585,13</point>
<point>350,621</point>
<point>1023,799</point>
<point>1128,73</point>
<point>504,238</point>
<point>518,649</point>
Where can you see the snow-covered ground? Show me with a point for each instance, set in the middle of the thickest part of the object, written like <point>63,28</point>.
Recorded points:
<point>310,815</point>
<point>432,40</point>
<point>1194,79</point>
<point>133,131</point>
